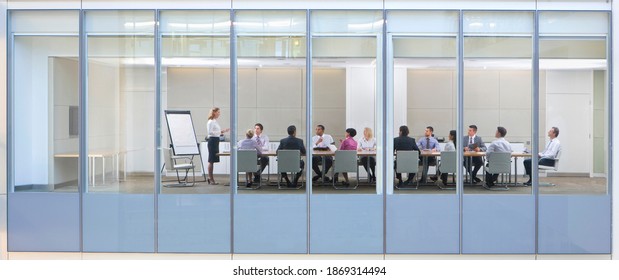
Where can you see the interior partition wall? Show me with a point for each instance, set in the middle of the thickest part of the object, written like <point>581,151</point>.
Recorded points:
<point>90,168</point>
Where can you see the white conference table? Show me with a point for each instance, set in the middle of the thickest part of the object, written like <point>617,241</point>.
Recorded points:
<point>92,161</point>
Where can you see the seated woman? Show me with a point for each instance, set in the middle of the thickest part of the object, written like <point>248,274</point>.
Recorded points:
<point>249,144</point>
<point>347,144</point>
<point>449,146</point>
<point>368,143</point>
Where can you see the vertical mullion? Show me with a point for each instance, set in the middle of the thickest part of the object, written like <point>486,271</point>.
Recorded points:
<point>233,115</point>
<point>157,151</point>
<point>308,118</point>
<point>535,122</point>
<point>460,119</point>
<point>82,121</point>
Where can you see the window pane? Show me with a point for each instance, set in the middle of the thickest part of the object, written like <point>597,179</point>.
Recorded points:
<point>121,101</point>
<point>574,100</point>
<point>195,78</point>
<point>46,146</point>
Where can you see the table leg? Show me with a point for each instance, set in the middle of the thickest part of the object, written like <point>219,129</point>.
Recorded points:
<point>117,167</point>
<point>324,162</point>
<point>516,170</point>
<point>103,169</point>
<point>94,170</point>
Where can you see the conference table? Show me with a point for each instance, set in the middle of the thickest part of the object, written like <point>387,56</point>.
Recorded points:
<point>423,153</point>
<point>321,153</point>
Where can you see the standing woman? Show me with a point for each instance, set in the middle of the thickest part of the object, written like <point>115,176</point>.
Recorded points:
<point>368,143</point>
<point>213,131</point>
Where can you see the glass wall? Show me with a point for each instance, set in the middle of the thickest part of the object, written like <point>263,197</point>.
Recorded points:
<point>498,58</point>
<point>46,113</point>
<point>270,83</point>
<point>143,84</point>
<point>424,80</point>
<point>346,102</point>
<point>193,213</point>
<point>119,200</point>
<point>573,133</point>
<point>43,203</point>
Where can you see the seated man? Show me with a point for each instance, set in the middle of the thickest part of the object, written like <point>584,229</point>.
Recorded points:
<point>429,143</point>
<point>404,143</point>
<point>548,156</point>
<point>498,145</point>
<point>473,143</point>
<point>263,142</point>
<point>293,143</point>
<point>321,141</point>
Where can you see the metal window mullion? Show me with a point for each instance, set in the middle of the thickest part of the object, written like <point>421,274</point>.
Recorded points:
<point>10,108</point>
<point>387,60</point>
<point>82,122</point>
<point>460,123</point>
<point>158,106</point>
<point>308,118</point>
<point>233,118</point>
<point>535,124</point>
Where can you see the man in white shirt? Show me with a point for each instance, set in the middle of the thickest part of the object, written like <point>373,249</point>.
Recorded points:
<point>548,156</point>
<point>263,142</point>
<point>321,141</point>
<point>497,146</point>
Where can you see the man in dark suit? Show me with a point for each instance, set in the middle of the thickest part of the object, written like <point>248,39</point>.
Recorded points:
<point>473,143</point>
<point>293,143</point>
<point>404,143</point>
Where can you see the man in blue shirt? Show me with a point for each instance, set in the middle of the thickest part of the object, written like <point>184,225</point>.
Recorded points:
<point>429,143</point>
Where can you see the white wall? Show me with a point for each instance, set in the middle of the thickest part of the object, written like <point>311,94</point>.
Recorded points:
<point>360,98</point>
<point>64,91</point>
<point>569,107</point>
<point>32,106</point>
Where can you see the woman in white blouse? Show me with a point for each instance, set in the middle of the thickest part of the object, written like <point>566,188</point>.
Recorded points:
<point>368,143</point>
<point>213,131</point>
<point>449,146</point>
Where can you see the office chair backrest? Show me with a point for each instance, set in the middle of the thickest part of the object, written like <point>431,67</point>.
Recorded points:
<point>449,164</point>
<point>247,161</point>
<point>499,162</point>
<point>407,161</point>
<point>345,161</point>
<point>288,161</point>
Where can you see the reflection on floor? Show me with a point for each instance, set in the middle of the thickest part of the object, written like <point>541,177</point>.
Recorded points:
<point>145,185</point>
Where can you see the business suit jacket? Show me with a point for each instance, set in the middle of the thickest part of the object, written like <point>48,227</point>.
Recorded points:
<point>292,143</point>
<point>404,143</point>
<point>476,142</point>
